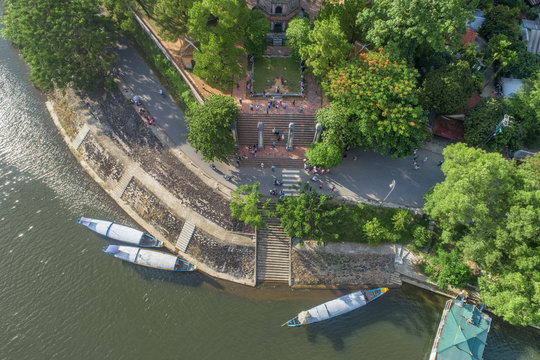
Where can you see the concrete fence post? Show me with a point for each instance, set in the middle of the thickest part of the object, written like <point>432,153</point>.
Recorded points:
<point>318,131</point>
<point>260,127</point>
<point>290,140</point>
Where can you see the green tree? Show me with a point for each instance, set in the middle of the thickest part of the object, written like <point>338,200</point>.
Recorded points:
<point>489,210</point>
<point>328,47</point>
<point>307,216</point>
<point>62,41</point>
<point>346,11</point>
<point>172,16</point>
<point>481,121</point>
<point>120,14</point>
<point>447,269</point>
<point>510,59</point>
<point>375,232</point>
<point>447,89</point>
<point>246,206</point>
<point>525,107</point>
<point>219,26</point>
<point>382,94</point>
<point>210,126</point>
<point>501,20</point>
<point>339,124</point>
<point>298,34</point>
<point>257,28</point>
<point>410,28</point>
<point>323,154</point>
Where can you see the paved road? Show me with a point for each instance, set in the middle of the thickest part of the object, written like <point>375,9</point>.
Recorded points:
<point>367,177</point>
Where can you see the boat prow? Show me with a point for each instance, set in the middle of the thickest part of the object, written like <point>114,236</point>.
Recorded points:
<point>150,258</point>
<point>336,307</point>
<point>120,232</point>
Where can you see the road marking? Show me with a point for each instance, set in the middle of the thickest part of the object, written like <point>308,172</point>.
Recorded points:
<point>290,180</point>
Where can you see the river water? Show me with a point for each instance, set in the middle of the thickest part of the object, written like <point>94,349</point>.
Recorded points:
<point>61,297</point>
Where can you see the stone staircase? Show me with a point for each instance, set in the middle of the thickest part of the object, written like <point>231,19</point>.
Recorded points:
<point>185,236</point>
<point>304,127</point>
<point>288,163</point>
<point>273,254</point>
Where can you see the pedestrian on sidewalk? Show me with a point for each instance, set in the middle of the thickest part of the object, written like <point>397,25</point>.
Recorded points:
<point>240,100</point>
<point>273,168</point>
<point>262,165</point>
<point>321,186</point>
<point>266,111</point>
<point>294,102</point>
<point>251,107</point>
<point>440,162</point>
<point>333,188</point>
<point>425,159</point>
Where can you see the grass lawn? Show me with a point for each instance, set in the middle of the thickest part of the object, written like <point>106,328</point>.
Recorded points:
<point>268,73</point>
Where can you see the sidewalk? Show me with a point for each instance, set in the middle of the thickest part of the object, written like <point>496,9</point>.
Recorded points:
<point>364,179</point>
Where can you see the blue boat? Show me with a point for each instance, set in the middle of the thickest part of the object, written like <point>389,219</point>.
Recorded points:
<point>336,307</point>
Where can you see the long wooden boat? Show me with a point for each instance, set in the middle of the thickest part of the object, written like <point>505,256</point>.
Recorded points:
<point>120,232</point>
<point>336,307</point>
<point>150,258</point>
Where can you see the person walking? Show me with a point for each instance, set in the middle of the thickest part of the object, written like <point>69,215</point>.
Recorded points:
<point>262,165</point>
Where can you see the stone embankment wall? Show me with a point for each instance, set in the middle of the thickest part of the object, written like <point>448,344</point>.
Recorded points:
<point>151,183</point>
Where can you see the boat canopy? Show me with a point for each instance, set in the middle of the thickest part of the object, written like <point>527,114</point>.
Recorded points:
<point>112,249</point>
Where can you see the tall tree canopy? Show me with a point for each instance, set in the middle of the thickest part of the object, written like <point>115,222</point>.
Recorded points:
<point>489,209</point>
<point>447,89</point>
<point>246,203</point>
<point>298,34</point>
<point>346,11</point>
<point>172,16</point>
<point>257,28</point>
<point>413,28</point>
<point>62,41</point>
<point>307,216</point>
<point>210,126</point>
<point>328,47</point>
<point>382,94</point>
<point>219,26</point>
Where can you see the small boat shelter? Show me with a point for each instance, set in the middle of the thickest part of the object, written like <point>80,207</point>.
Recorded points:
<point>462,332</point>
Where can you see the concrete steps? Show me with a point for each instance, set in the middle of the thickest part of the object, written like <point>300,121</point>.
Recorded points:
<point>273,254</point>
<point>304,128</point>
<point>123,183</point>
<point>185,236</point>
<point>395,279</point>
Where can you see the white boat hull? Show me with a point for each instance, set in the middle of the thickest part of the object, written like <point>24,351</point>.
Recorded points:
<point>120,232</point>
<point>150,258</point>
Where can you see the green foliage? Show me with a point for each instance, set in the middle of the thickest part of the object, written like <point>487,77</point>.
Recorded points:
<point>307,216</point>
<point>481,121</point>
<point>421,236</point>
<point>120,14</point>
<point>326,155</point>
<point>167,74</point>
<point>410,28</point>
<point>489,209</point>
<point>339,124</point>
<point>62,41</point>
<point>219,26</point>
<point>328,47</point>
<point>298,34</point>
<point>447,89</point>
<point>510,59</point>
<point>172,16</point>
<point>210,126</point>
<point>447,269</point>
<point>245,206</point>
<point>382,95</point>
<point>346,12</point>
<point>375,232</point>
<point>402,219</point>
<point>501,20</point>
<point>257,28</point>
<point>525,107</point>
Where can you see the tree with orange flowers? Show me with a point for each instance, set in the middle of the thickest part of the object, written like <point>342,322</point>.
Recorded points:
<point>382,95</point>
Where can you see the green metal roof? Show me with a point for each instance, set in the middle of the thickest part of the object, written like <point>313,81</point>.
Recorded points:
<point>464,334</point>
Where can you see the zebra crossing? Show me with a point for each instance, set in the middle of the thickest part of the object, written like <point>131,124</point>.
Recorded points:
<point>291,180</point>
